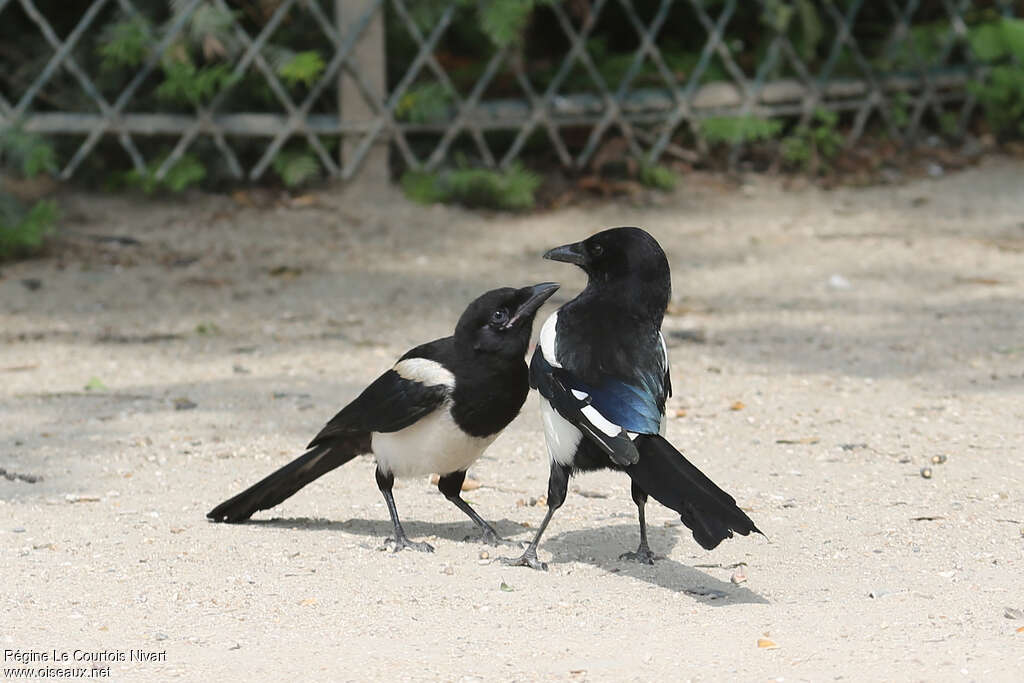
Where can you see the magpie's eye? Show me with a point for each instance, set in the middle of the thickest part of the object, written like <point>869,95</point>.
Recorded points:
<point>499,317</point>
<point>596,250</point>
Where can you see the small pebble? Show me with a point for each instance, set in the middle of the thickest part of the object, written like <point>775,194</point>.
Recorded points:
<point>938,459</point>
<point>926,472</point>
<point>484,555</point>
<point>837,281</point>
<point>81,498</point>
<point>182,403</point>
<point>738,577</point>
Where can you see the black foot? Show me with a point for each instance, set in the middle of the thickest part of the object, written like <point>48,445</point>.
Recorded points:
<point>643,555</point>
<point>527,559</point>
<point>401,543</point>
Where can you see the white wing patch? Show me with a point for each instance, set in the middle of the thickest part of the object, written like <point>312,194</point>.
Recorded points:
<point>547,340</point>
<point>597,419</point>
<point>600,421</point>
<point>425,371</point>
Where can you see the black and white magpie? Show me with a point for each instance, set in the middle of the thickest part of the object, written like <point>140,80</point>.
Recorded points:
<point>434,411</point>
<point>602,371</point>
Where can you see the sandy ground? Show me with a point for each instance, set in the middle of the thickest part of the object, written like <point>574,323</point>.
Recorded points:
<point>826,345</point>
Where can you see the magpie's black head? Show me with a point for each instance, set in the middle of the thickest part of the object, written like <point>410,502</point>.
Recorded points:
<point>501,320</point>
<point>617,254</point>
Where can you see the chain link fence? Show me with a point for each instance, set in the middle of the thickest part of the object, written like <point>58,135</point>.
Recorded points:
<point>250,82</point>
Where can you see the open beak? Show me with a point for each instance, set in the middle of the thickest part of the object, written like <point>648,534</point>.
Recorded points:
<point>568,253</point>
<point>538,295</point>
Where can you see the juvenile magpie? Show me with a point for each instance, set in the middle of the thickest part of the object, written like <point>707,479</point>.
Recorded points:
<point>434,411</point>
<point>602,372</point>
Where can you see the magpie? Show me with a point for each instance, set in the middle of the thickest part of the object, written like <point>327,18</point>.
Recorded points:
<point>601,368</point>
<point>434,411</point>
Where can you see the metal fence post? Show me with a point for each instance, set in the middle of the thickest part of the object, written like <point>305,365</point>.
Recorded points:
<point>352,106</point>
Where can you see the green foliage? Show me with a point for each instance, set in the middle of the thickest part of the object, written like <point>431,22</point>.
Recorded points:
<point>504,20</point>
<point>125,43</point>
<point>1001,43</point>
<point>898,113</point>
<point>510,190</point>
<point>422,187</point>
<point>657,176</point>
<point>193,72</point>
<point>209,23</point>
<point>779,15</point>
<point>996,40</point>
<point>814,145</point>
<point>302,67</point>
<point>949,123</point>
<point>28,153</point>
<point>424,103</point>
<point>23,232</point>
<point>95,384</point>
<point>296,167</point>
<point>739,129</point>
<point>1002,96</point>
<point>922,45</point>
<point>185,172</point>
<point>186,83</point>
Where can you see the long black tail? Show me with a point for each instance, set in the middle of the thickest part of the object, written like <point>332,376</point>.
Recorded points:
<point>675,482</point>
<point>283,483</point>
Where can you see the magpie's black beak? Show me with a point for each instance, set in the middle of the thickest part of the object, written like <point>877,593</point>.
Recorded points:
<point>538,295</point>
<point>568,253</point>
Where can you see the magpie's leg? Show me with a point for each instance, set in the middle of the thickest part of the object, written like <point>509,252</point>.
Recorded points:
<point>384,483</point>
<point>558,486</point>
<point>451,486</point>
<point>643,553</point>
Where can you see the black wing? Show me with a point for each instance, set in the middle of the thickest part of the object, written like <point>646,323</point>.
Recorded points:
<point>389,404</point>
<point>556,385</point>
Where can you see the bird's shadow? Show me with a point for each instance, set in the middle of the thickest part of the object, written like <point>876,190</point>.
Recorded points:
<point>602,546</point>
<point>381,529</point>
<point>599,547</point>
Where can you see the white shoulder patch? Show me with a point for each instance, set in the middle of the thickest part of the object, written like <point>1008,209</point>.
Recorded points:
<point>547,340</point>
<point>664,349</point>
<point>425,371</point>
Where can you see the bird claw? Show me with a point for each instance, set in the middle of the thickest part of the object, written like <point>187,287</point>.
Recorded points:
<point>642,555</point>
<point>527,559</point>
<point>401,543</point>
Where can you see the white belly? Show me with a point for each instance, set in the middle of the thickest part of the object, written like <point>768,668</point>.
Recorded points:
<point>434,444</point>
<point>560,435</point>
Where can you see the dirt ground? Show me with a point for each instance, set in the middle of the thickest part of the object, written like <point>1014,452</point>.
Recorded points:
<point>826,346</point>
